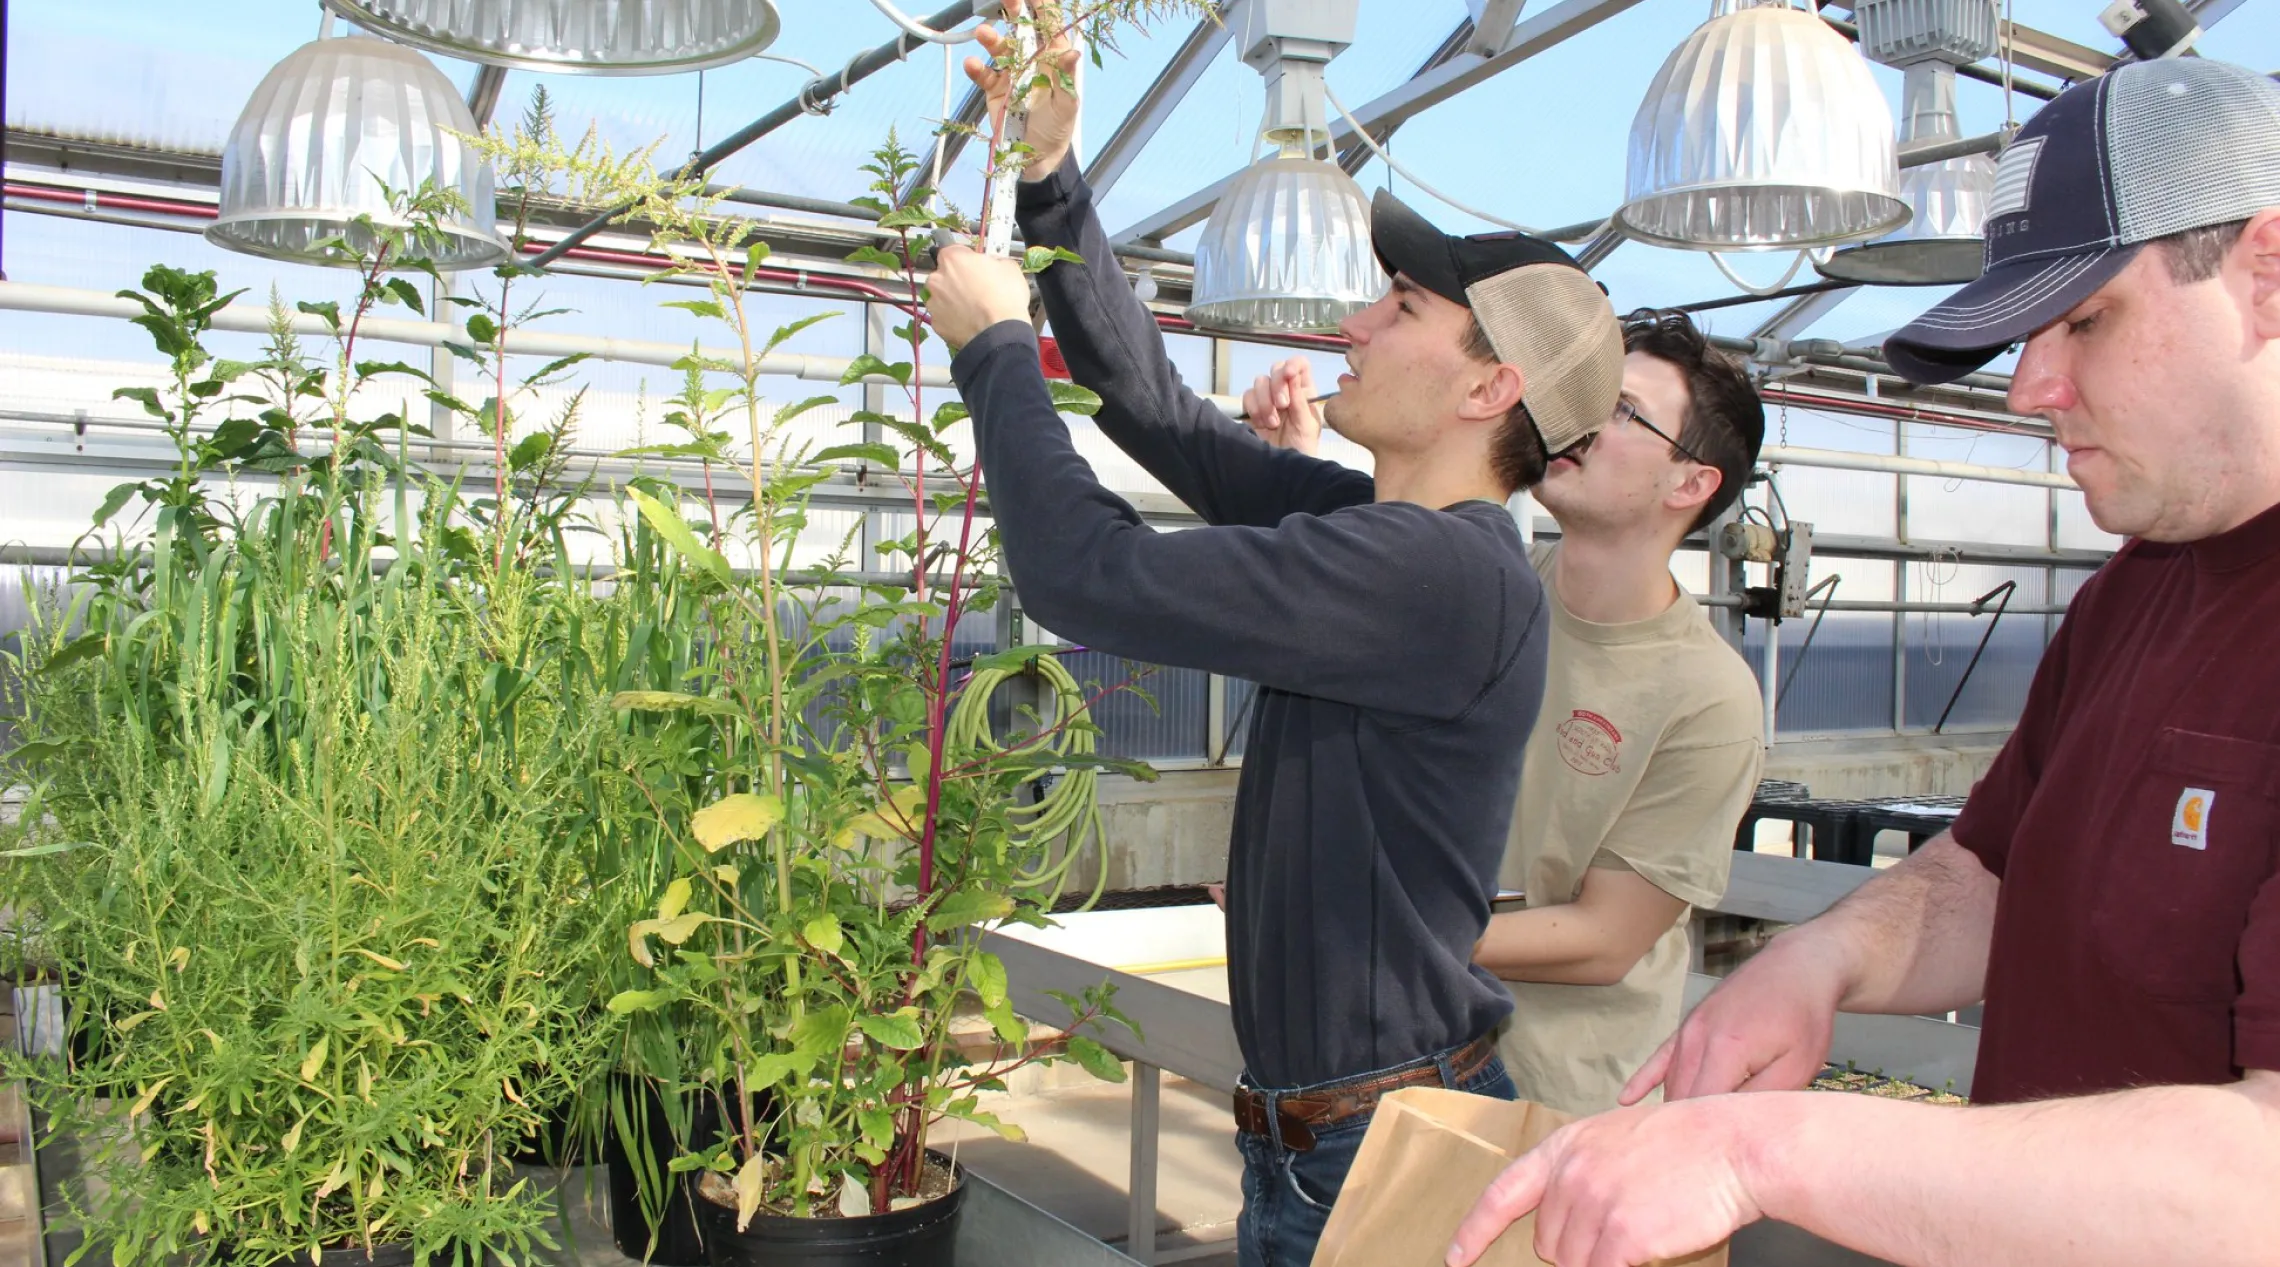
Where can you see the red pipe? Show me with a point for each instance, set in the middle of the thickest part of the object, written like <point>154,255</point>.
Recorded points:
<point>1897,413</point>
<point>116,202</point>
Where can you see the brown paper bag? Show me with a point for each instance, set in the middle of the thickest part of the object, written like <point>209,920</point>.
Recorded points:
<point>1428,1155</point>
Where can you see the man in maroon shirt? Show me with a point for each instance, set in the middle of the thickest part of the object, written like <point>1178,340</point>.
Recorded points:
<point>2113,888</point>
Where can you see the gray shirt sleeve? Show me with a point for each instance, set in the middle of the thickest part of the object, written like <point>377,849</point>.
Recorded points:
<point>1388,606</point>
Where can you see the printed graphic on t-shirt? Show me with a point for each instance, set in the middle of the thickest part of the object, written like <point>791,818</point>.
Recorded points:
<point>2190,826</point>
<point>1590,744</point>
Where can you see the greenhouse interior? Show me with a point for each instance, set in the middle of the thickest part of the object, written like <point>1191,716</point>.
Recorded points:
<point>499,552</point>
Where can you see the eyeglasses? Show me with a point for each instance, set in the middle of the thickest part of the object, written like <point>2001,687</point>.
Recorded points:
<point>1625,411</point>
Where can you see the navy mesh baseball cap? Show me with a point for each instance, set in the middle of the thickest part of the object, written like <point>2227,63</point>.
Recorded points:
<point>2144,151</point>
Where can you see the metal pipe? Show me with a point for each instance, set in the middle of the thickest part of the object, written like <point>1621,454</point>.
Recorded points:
<point>812,98</point>
<point>1887,606</point>
<point>1830,459</point>
<point>249,319</point>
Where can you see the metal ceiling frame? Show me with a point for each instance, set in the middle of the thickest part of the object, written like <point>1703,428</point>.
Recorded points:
<point>1468,57</point>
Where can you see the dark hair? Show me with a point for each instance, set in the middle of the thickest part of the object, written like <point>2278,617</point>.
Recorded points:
<point>1725,420</point>
<point>1516,452</point>
<point>2196,254</point>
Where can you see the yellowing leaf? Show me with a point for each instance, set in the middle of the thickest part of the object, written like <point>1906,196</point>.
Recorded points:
<point>968,906</point>
<point>392,965</point>
<point>180,958</point>
<point>726,875</point>
<point>315,1061</point>
<point>200,1224</point>
<point>677,930</point>
<point>900,816</point>
<point>149,1094</point>
<point>157,1001</point>
<point>132,1021</point>
<point>625,1001</point>
<point>292,1138</point>
<point>824,934</point>
<point>676,899</point>
<point>750,1178</point>
<point>671,701</point>
<point>742,816</point>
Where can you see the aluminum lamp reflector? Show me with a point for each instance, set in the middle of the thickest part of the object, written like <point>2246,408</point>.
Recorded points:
<point>588,37</point>
<point>323,131</point>
<point>1940,244</point>
<point>1287,250</point>
<point>1763,131</point>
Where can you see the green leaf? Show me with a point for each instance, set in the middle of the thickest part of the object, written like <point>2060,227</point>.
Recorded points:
<point>369,369</point>
<point>701,307</point>
<point>482,329</point>
<point>950,413</point>
<point>986,973</point>
<point>1014,659</point>
<point>882,454</point>
<point>795,409</point>
<point>866,365</point>
<point>147,395</point>
<point>989,1121</point>
<point>968,906</point>
<point>740,816</point>
<point>1072,399</point>
<point>530,450</point>
<point>118,497</point>
<point>1097,1060</point>
<point>914,217</point>
<point>81,648</point>
<point>774,1067</point>
<point>672,701</point>
<point>896,1030</point>
<point>754,256</point>
<point>42,851</point>
<point>878,1125</point>
<point>1039,258</point>
<point>1011,1029</point>
<point>669,525</point>
<point>403,292</point>
<point>875,255</point>
<point>676,899</point>
<point>629,1001</point>
<point>217,769</point>
<point>824,934</point>
<point>329,311</point>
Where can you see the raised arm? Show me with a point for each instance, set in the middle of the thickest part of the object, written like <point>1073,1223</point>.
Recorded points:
<point>1111,341</point>
<point>1386,606</point>
<point>1112,345</point>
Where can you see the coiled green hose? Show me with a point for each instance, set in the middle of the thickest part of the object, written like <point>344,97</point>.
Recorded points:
<point>1071,807</point>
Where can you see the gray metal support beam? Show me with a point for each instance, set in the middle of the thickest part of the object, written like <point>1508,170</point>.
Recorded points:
<point>1494,28</point>
<point>1187,65</point>
<point>1357,155</point>
<point>1147,1122</point>
<point>1530,37</point>
<point>1800,314</point>
<point>483,95</point>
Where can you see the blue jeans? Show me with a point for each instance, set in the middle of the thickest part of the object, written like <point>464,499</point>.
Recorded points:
<point>1287,1195</point>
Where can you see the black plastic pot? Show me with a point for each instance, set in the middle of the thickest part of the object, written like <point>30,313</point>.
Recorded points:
<point>395,1255</point>
<point>680,1243</point>
<point>921,1236</point>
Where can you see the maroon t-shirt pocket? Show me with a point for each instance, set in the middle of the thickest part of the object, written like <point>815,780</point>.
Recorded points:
<point>2188,845</point>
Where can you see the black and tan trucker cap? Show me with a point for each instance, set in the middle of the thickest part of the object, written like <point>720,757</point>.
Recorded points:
<point>1543,314</point>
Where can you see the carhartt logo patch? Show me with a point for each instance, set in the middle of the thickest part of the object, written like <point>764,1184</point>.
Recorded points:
<point>2190,826</point>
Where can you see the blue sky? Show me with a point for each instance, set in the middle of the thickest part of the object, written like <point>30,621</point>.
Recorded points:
<point>1543,143</point>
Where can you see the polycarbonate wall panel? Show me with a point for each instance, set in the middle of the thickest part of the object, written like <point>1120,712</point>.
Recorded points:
<point>1975,510</point>
<point>1939,646</point>
<point>1161,716</point>
<point>1852,503</point>
<point>1842,682</point>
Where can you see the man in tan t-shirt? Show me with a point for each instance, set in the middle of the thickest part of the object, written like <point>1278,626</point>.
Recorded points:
<point>1650,738</point>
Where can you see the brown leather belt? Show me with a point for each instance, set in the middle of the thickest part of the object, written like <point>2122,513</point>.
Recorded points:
<point>1301,1111</point>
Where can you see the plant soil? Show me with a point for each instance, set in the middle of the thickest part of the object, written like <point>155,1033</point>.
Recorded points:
<point>935,1183</point>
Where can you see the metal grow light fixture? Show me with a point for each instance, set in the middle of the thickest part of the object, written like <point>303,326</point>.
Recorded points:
<point>323,131</point>
<point>1288,247</point>
<point>586,37</point>
<point>1764,130</point>
<point>1928,39</point>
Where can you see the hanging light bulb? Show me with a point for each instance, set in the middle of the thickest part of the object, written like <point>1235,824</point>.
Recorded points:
<point>593,37</point>
<point>1940,245</point>
<point>1764,130</point>
<point>1288,247</point>
<point>326,128</point>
